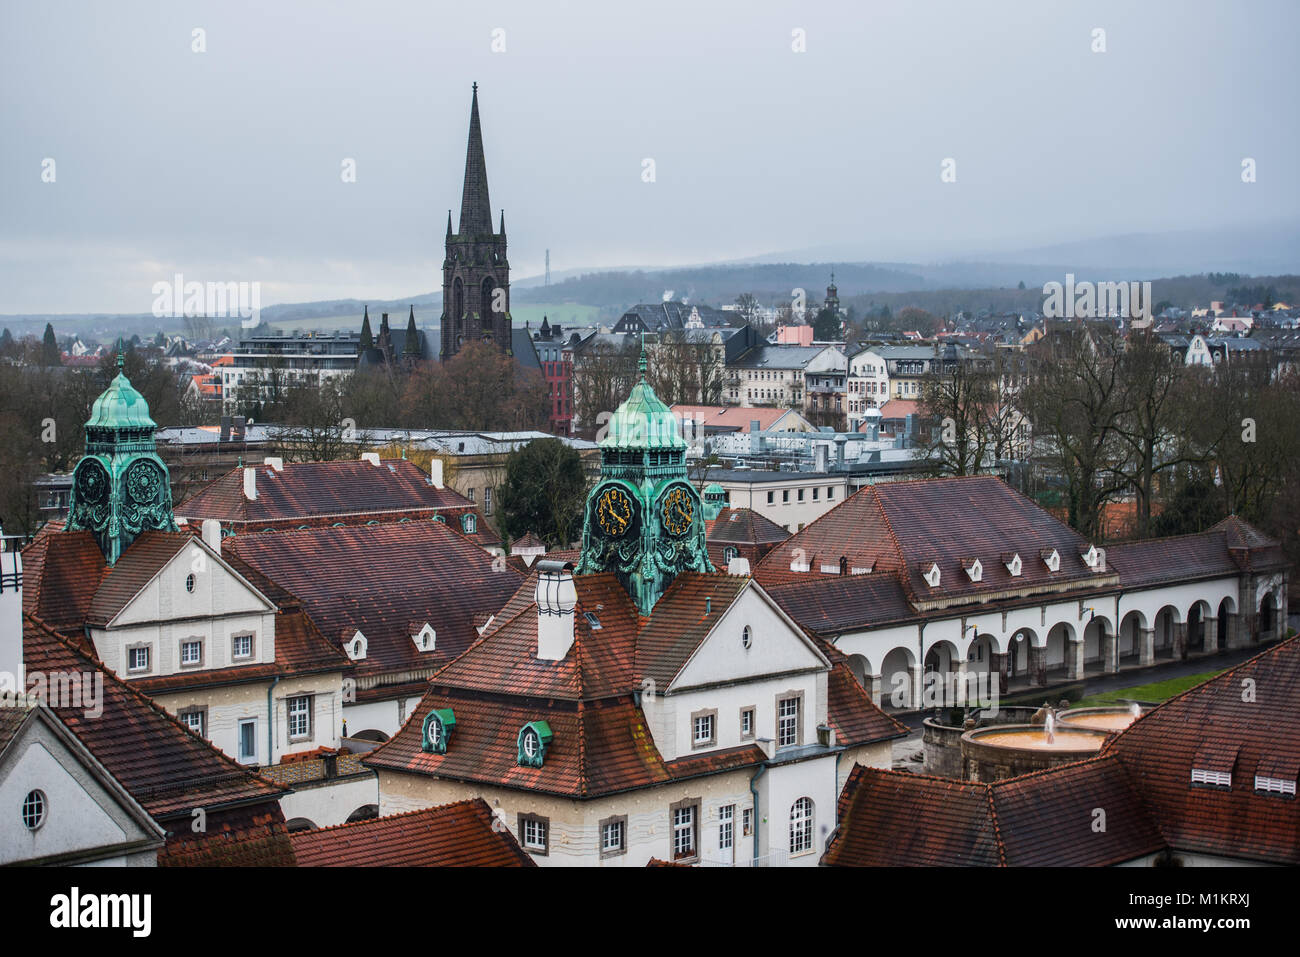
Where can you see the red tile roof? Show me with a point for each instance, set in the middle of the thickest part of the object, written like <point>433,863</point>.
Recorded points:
<point>452,835</point>
<point>61,572</point>
<point>732,417</point>
<point>136,567</point>
<point>167,768</point>
<point>379,579</point>
<point>601,743</point>
<point>316,489</point>
<point>1230,547</point>
<point>893,818</point>
<point>901,527</point>
<point>1248,716</point>
<point>744,526</point>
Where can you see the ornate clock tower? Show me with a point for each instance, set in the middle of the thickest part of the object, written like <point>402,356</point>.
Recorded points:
<point>120,487</point>
<point>644,519</point>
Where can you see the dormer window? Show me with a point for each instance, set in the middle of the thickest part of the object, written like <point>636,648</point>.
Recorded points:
<point>1092,558</point>
<point>974,569</point>
<point>930,572</point>
<point>356,647</point>
<point>1013,564</point>
<point>438,727</point>
<point>469,523</point>
<point>1052,559</point>
<point>728,554</point>
<point>1277,775</point>
<point>534,738</point>
<point>425,638</point>
<point>862,569</point>
<point>1212,767</point>
<point>796,565</point>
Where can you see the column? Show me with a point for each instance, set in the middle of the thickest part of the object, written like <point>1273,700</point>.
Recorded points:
<point>1146,647</point>
<point>1037,665</point>
<point>1074,659</point>
<point>1211,635</point>
<point>917,685</point>
<point>1109,652</point>
<point>873,688</point>
<point>1180,639</point>
<point>998,666</point>
<point>1231,630</point>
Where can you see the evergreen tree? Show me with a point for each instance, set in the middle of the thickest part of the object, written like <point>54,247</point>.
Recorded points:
<point>544,492</point>
<point>50,355</point>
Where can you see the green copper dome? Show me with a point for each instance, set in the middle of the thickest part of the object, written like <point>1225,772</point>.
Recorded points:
<point>120,406</point>
<point>643,422</point>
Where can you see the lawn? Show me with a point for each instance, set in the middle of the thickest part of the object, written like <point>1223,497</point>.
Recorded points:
<point>1155,692</point>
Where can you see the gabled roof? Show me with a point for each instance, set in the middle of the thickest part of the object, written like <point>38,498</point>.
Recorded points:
<point>680,623</point>
<point>165,766</point>
<point>744,526</point>
<point>61,573</point>
<point>1227,548</point>
<point>451,835</point>
<point>378,579</point>
<point>1260,728</point>
<point>304,490</point>
<point>899,527</point>
<point>732,417</point>
<point>892,818</point>
<point>143,559</point>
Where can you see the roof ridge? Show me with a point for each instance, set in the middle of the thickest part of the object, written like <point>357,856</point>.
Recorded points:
<point>467,802</point>
<point>997,827</point>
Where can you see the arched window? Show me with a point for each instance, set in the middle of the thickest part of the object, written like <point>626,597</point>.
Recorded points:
<point>728,554</point>
<point>485,307</point>
<point>801,826</point>
<point>469,523</point>
<point>746,636</point>
<point>458,299</point>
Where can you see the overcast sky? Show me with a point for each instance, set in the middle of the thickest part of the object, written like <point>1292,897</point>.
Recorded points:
<point>225,165</point>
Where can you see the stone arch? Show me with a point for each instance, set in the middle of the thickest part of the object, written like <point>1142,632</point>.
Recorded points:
<point>1268,619</point>
<point>1130,634</point>
<point>458,300</point>
<point>299,824</point>
<point>860,665</point>
<point>1169,626</point>
<point>1057,643</point>
<point>1196,615</point>
<point>941,664</point>
<point>896,677</point>
<point>367,812</point>
<point>1019,646</point>
<point>1096,632</point>
<point>370,734</point>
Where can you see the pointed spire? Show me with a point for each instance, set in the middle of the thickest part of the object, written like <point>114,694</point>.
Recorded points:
<point>503,222</point>
<point>449,222</point>
<point>367,337</point>
<point>641,362</point>
<point>475,208</point>
<point>412,344</point>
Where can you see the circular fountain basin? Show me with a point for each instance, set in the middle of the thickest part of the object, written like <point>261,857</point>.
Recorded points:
<point>1115,718</point>
<point>991,754</point>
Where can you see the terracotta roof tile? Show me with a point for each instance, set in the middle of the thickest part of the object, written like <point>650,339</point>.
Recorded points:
<point>451,835</point>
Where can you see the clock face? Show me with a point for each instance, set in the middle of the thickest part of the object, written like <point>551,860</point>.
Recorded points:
<point>143,482</point>
<point>678,511</point>
<point>92,482</point>
<point>614,512</point>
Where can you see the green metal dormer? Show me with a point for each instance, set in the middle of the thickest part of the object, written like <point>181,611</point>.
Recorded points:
<point>120,487</point>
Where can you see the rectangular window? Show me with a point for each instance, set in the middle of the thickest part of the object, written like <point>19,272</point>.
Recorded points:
<point>769,497</point>
<point>830,492</point>
<point>469,494</point>
<point>747,822</point>
<point>801,495</point>
<point>241,647</point>
<point>535,833</point>
<point>191,652</point>
<point>785,496</point>
<point>194,720</point>
<point>299,718</point>
<point>1216,779</point>
<point>746,723</point>
<point>137,658</point>
<point>787,721</point>
<point>1267,785</point>
<point>487,501</point>
<point>613,836</point>
<point>816,492</point>
<point>703,724</point>
<point>248,741</point>
<point>726,832</point>
<point>684,818</point>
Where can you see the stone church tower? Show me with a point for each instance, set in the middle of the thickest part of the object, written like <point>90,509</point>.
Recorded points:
<point>475,274</point>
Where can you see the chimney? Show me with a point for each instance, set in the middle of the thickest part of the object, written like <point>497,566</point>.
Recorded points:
<point>225,428</point>
<point>250,483</point>
<point>556,600</point>
<point>237,428</point>
<point>212,533</point>
<point>435,473</point>
<point>371,457</point>
<point>738,566</point>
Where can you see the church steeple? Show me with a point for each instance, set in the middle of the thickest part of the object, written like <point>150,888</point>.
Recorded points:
<point>411,347</point>
<point>475,207</point>
<point>475,272</point>
<point>120,487</point>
